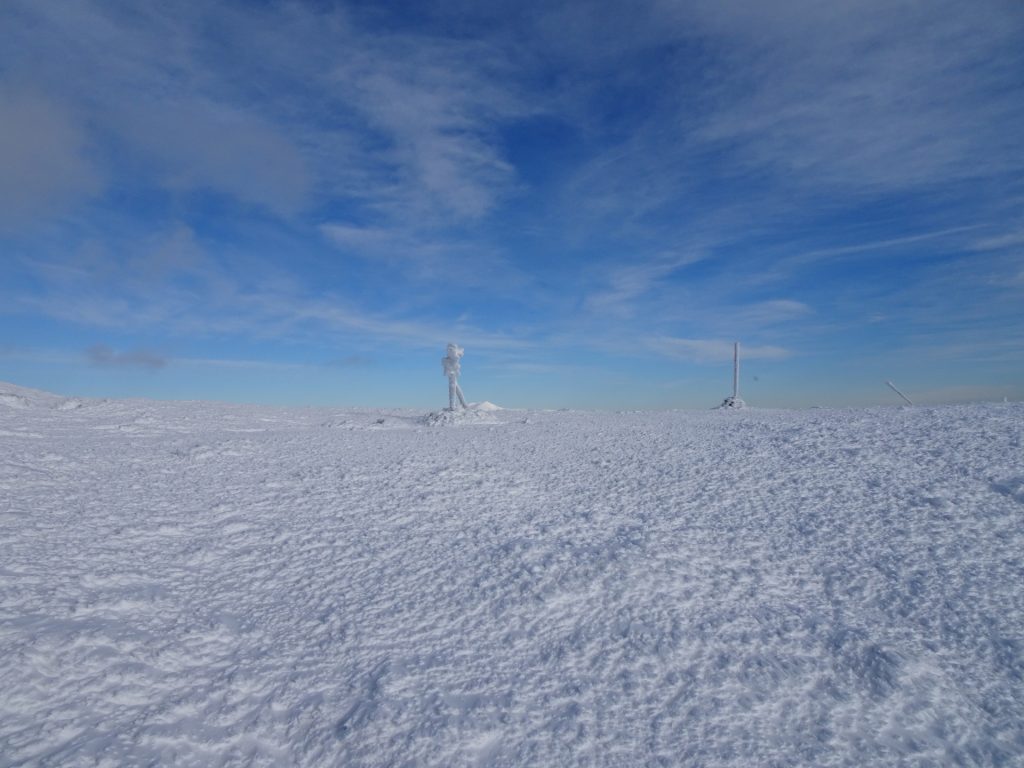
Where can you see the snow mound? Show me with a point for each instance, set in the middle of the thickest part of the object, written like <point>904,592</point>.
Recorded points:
<point>485,406</point>
<point>23,398</point>
<point>13,401</point>
<point>446,418</point>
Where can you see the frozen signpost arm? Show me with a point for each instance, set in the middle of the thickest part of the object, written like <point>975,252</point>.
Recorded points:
<point>452,369</point>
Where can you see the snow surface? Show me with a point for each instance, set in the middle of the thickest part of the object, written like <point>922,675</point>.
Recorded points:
<point>197,584</point>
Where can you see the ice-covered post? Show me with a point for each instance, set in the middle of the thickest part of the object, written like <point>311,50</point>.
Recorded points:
<point>735,401</point>
<point>452,369</point>
<point>735,370</point>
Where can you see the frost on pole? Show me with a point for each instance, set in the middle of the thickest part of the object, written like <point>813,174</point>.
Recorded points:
<point>452,369</point>
<point>734,400</point>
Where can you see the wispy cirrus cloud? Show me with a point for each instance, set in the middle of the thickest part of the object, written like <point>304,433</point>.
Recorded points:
<point>426,255</point>
<point>999,242</point>
<point>791,104</point>
<point>438,106</point>
<point>401,123</point>
<point>136,80</point>
<point>194,144</point>
<point>159,287</point>
<point>625,284</point>
<point>871,246</point>
<point>869,94</point>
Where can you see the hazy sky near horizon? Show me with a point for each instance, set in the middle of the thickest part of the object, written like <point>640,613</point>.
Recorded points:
<point>302,202</point>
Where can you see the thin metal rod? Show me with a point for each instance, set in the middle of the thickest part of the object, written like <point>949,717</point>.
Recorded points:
<point>893,386</point>
<point>736,369</point>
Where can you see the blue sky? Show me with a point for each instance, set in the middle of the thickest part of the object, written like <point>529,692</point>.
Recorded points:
<point>303,202</point>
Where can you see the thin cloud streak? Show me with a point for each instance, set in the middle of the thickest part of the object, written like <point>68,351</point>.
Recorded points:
<point>1009,240</point>
<point>810,257</point>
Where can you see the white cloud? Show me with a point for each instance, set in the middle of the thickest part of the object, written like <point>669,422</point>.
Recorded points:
<point>173,284</point>
<point>436,106</point>
<point>195,144</point>
<point>790,103</point>
<point>877,245</point>
<point>287,106</point>
<point>1008,240</point>
<point>293,105</point>
<point>428,257</point>
<point>625,284</point>
<point>868,94</point>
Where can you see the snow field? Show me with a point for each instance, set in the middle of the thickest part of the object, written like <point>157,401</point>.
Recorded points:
<point>199,584</point>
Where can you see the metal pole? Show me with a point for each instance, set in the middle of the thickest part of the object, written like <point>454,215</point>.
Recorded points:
<point>893,386</point>
<point>735,370</point>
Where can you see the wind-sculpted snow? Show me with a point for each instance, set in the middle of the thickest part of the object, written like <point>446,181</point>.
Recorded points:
<point>194,584</point>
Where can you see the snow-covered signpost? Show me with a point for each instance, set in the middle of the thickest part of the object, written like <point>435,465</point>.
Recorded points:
<point>734,401</point>
<point>452,369</point>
